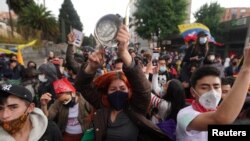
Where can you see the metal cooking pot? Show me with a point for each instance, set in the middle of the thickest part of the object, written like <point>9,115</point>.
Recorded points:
<point>106,30</point>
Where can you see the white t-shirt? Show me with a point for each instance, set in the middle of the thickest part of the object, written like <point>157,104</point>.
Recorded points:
<point>184,117</point>
<point>73,125</point>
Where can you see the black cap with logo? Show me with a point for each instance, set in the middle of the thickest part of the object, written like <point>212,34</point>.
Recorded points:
<point>16,90</point>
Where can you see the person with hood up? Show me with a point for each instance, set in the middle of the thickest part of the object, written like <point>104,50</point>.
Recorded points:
<point>20,120</point>
<point>48,74</point>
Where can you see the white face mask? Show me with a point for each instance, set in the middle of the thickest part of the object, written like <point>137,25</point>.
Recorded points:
<point>66,102</point>
<point>210,99</point>
<point>203,40</point>
<point>211,57</point>
<point>42,78</point>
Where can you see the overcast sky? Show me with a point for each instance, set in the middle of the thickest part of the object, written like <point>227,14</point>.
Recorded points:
<point>91,10</point>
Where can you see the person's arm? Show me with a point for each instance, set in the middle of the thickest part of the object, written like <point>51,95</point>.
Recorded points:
<point>155,84</point>
<point>86,74</point>
<point>162,105</point>
<point>123,41</point>
<point>83,84</point>
<point>44,108</point>
<point>53,110</point>
<point>155,100</point>
<point>44,100</point>
<point>70,53</point>
<point>230,107</point>
<point>141,88</point>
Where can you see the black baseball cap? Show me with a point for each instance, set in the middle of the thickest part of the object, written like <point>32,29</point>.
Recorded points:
<point>16,90</point>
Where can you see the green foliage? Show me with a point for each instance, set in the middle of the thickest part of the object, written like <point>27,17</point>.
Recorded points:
<point>159,16</point>
<point>210,15</point>
<point>35,18</point>
<point>17,5</point>
<point>68,18</point>
<point>89,41</point>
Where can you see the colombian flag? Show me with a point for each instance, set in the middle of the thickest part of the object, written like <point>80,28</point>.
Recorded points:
<point>189,32</point>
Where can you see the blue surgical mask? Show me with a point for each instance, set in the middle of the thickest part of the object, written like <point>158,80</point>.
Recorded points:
<point>118,99</point>
<point>203,40</point>
<point>163,68</point>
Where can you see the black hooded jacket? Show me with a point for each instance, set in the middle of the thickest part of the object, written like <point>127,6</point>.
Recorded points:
<point>47,87</point>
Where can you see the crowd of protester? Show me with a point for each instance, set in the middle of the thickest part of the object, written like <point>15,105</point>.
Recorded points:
<point>123,94</point>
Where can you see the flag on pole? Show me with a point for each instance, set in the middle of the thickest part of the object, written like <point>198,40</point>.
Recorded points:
<point>20,57</point>
<point>7,51</point>
<point>189,32</point>
<point>19,52</point>
<point>22,46</point>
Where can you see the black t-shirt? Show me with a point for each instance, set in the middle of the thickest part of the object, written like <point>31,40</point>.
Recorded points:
<point>122,129</point>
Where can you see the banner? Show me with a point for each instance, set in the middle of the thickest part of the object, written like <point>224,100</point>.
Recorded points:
<point>20,47</point>
<point>7,51</point>
<point>18,53</point>
<point>20,57</point>
<point>26,45</point>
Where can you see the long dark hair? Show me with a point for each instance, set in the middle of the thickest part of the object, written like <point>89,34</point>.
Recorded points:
<point>200,49</point>
<point>176,96</point>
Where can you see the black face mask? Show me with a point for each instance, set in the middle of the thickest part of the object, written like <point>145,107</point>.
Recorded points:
<point>118,99</point>
<point>234,63</point>
<point>72,102</point>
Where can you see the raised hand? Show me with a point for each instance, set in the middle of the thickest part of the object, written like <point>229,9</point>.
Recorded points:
<point>45,99</point>
<point>156,69</point>
<point>71,38</point>
<point>95,60</point>
<point>122,39</point>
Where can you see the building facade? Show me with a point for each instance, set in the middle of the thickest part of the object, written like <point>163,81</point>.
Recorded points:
<point>235,13</point>
<point>236,36</point>
<point>5,16</point>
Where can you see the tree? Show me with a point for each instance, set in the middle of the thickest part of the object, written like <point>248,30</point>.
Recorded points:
<point>17,5</point>
<point>68,18</point>
<point>89,41</point>
<point>35,18</point>
<point>210,15</point>
<point>159,16</point>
